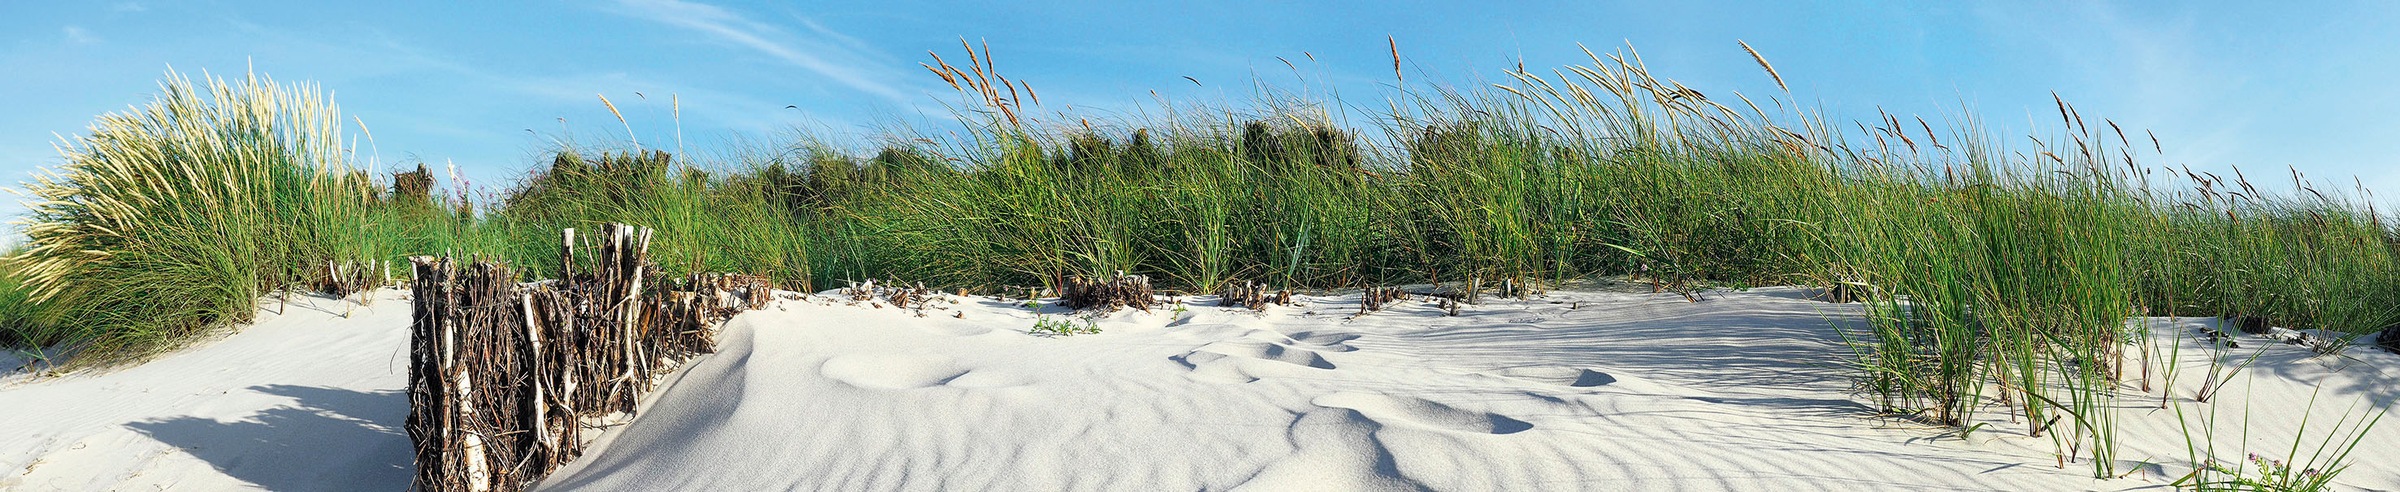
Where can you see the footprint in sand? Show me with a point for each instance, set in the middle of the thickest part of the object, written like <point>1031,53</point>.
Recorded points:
<point>1214,368</point>
<point>1246,359</point>
<point>1575,377</point>
<point>909,371</point>
<point>1327,342</point>
<point>1267,351</point>
<point>1421,413</point>
<point>986,379</point>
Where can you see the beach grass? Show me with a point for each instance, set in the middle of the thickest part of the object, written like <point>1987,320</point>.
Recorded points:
<point>173,218</point>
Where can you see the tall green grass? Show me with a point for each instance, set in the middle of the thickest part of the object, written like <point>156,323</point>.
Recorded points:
<point>704,221</point>
<point>173,218</point>
<point>23,322</point>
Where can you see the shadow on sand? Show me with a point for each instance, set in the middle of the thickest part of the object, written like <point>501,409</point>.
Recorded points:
<point>328,439</point>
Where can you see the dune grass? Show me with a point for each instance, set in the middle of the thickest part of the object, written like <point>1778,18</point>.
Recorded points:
<point>173,218</point>
<point>23,322</point>
<point>1997,277</point>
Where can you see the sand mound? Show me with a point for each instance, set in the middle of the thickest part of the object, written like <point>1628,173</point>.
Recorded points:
<point>1571,391</point>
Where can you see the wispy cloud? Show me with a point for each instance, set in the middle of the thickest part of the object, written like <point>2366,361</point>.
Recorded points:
<point>827,53</point>
<point>396,56</point>
<point>130,7</point>
<point>78,35</point>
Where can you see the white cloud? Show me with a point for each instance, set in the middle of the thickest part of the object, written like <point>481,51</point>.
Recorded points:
<point>130,7</point>
<point>78,35</point>
<point>835,56</point>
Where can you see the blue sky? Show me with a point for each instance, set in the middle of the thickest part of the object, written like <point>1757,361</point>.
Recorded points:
<point>2255,84</point>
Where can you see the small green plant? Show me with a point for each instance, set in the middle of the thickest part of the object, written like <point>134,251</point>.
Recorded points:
<point>1059,327</point>
<point>1968,432</point>
<point>2271,475</point>
<point>2314,471</point>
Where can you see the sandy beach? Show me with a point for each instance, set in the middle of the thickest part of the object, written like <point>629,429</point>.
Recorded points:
<point>1563,391</point>
<point>309,399</point>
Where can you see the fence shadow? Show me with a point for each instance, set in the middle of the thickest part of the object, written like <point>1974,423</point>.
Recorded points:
<point>328,439</point>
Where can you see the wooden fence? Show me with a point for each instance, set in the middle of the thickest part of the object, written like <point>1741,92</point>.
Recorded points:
<point>504,376</point>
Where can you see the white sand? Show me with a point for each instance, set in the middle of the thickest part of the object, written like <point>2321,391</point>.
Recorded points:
<point>1589,391</point>
<point>306,400</point>
<point>1574,391</point>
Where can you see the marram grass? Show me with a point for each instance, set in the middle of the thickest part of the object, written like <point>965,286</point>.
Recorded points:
<point>172,218</point>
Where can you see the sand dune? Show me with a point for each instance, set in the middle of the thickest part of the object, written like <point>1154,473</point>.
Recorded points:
<point>1569,391</point>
